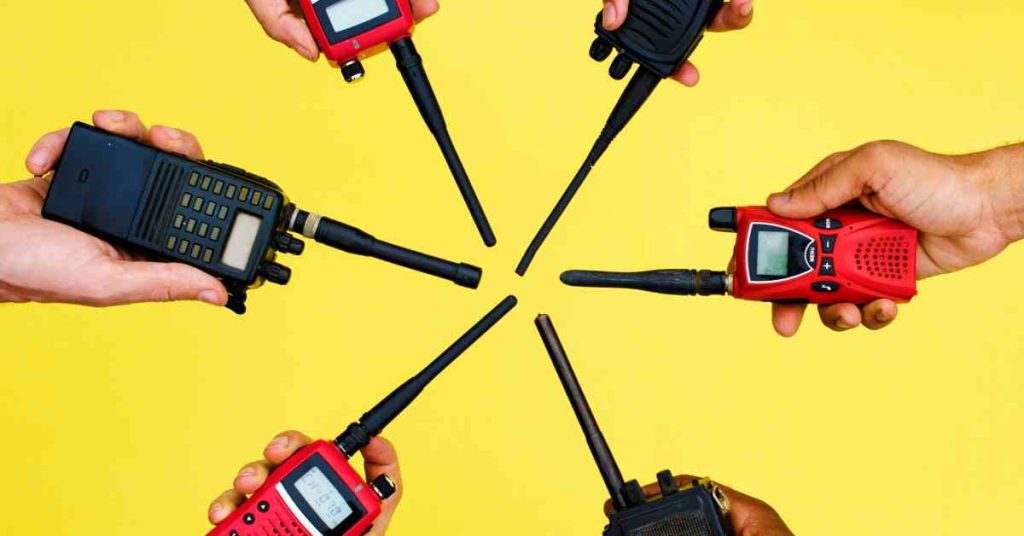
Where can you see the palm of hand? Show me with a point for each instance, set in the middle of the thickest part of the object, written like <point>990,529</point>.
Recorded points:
<point>85,261</point>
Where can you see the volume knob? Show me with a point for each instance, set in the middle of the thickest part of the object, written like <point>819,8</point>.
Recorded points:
<point>275,273</point>
<point>383,486</point>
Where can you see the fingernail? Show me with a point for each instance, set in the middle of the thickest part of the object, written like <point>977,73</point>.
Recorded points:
<point>746,7</point>
<point>116,116</point>
<point>172,133</point>
<point>217,512</point>
<point>278,443</point>
<point>842,324</point>
<point>247,472</point>
<point>610,14</point>
<point>211,297</point>
<point>882,317</point>
<point>780,198</point>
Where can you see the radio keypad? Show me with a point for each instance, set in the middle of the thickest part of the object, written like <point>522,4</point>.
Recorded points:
<point>199,225</point>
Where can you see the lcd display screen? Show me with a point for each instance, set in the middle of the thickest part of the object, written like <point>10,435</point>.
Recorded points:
<point>323,498</point>
<point>241,241</point>
<point>772,253</point>
<point>348,14</point>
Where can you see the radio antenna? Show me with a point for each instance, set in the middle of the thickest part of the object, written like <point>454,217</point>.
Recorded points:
<point>635,95</point>
<point>677,282</point>
<point>358,434</point>
<point>595,439</point>
<point>410,64</point>
<point>349,239</point>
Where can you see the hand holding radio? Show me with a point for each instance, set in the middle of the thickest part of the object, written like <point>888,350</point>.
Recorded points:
<point>968,209</point>
<point>748,516</point>
<point>379,458</point>
<point>45,261</point>
<point>284,24</point>
<point>735,15</point>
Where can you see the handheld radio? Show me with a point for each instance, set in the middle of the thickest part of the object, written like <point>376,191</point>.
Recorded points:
<point>659,35</point>
<point>697,509</point>
<point>348,31</point>
<point>844,256</point>
<point>219,218</point>
<point>316,492</point>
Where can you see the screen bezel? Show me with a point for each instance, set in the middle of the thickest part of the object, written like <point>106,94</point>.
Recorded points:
<point>288,483</point>
<point>802,254</point>
<point>334,37</point>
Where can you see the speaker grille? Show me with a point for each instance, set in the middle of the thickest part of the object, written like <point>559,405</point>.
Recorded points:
<point>886,258</point>
<point>689,525</point>
<point>151,225</point>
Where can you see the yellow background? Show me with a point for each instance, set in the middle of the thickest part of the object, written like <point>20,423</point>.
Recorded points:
<point>129,420</point>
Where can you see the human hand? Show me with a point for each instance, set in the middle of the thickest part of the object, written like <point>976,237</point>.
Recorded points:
<point>46,261</point>
<point>747,515</point>
<point>968,209</point>
<point>734,15</point>
<point>282,21</point>
<point>379,458</point>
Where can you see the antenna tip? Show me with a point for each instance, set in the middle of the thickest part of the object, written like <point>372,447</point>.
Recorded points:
<point>468,276</point>
<point>578,278</point>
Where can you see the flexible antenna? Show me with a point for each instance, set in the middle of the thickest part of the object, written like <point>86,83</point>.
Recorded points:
<point>595,439</point>
<point>676,282</point>
<point>635,95</point>
<point>410,64</point>
<point>358,434</point>
<point>349,239</point>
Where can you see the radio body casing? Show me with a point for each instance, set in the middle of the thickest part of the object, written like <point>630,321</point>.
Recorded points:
<point>846,255</point>
<point>277,505</point>
<point>693,510</point>
<point>167,206</point>
<point>362,41</point>
<point>661,34</point>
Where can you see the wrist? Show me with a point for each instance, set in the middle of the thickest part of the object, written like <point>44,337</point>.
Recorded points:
<point>1004,186</point>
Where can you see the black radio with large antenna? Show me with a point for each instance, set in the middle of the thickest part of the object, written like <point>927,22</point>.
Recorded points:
<point>216,217</point>
<point>699,508</point>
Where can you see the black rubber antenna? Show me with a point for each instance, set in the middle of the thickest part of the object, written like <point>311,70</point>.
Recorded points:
<point>636,94</point>
<point>410,64</point>
<point>347,238</point>
<point>595,439</point>
<point>677,282</point>
<point>358,434</point>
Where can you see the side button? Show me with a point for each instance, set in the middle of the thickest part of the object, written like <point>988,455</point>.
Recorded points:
<point>827,223</point>
<point>828,244</point>
<point>825,287</point>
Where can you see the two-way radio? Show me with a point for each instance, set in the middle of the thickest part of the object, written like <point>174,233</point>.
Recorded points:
<point>348,31</point>
<point>659,35</point>
<point>697,509</point>
<point>316,492</point>
<point>843,256</point>
<point>218,218</point>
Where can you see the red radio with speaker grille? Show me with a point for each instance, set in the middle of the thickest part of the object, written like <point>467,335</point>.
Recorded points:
<point>847,255</point>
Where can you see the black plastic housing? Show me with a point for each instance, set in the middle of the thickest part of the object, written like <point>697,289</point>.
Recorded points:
<point>687,512</point>
<point>661,34</point>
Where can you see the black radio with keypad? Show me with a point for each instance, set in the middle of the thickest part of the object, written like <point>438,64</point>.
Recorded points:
<point>219,218</point>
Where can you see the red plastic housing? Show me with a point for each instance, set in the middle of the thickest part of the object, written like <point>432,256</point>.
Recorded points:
<point>870,257</point>
<point>364,44</point>
<point>273,510</point>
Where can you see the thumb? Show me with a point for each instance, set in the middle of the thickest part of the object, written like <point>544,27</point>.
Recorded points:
<point>140,282</point>
<point>834,188</point>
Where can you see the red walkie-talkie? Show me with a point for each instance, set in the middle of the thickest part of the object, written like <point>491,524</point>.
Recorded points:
<point>316,492</point>
<point>846,255</point>
<point>349,31</point>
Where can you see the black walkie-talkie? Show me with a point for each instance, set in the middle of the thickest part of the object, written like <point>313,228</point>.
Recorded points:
<point>219,218</point>
<point>697,509</point>
<point>659,35</point>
